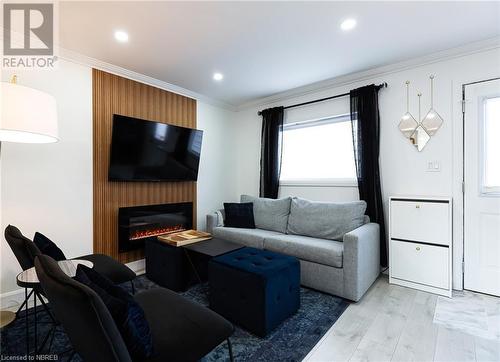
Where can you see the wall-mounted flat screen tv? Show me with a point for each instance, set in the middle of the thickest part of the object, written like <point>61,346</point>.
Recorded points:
<point>151,151</point>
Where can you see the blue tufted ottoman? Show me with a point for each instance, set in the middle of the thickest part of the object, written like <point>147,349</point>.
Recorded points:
<point>256,289</point>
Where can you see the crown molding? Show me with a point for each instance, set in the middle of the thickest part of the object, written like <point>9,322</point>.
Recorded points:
<point>81,59</point>
<point>468,49</point>
<point>452,53</point>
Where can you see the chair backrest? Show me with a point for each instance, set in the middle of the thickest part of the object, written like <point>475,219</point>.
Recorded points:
<point>23,248</point>
<point>88,323</point>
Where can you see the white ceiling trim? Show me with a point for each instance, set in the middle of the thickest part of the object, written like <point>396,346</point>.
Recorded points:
<point>476,47</point>
<point>457,52</point>
<point>81,59</point>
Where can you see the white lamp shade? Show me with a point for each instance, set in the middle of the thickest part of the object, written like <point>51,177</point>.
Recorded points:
<point>27,115</point>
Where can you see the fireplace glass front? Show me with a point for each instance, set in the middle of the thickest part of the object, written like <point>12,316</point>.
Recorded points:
<point>139,223</point>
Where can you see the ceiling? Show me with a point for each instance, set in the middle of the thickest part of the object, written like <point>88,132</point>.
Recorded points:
<point>264,48</point>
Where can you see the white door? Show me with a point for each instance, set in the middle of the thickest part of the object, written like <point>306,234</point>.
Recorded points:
<point>482,187</point>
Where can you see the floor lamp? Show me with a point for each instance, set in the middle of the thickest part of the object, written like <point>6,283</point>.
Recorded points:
<point>27,115</point>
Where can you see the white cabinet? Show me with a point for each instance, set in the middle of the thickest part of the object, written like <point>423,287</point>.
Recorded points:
<point>420,243</point>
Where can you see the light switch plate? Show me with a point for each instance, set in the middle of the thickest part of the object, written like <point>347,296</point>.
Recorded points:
<point>433,166</point>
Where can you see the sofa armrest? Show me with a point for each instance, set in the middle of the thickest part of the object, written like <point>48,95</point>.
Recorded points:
<point>215,219</point>
<point>361,260</point>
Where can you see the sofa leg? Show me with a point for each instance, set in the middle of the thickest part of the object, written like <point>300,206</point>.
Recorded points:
<point>230,348</point>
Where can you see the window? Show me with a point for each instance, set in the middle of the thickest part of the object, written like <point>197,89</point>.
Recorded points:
<point>318,152</point>
<point>491,156</point>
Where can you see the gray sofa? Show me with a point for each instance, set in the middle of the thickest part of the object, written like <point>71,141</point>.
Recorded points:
<point>337,245</point>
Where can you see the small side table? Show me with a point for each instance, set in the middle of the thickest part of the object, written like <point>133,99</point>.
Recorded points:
<point>6,318</point>
<point>28,279</point>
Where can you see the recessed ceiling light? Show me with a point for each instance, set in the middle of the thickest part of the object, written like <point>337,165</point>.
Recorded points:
<point>121,36</point>
<point>218,76</point>
<point>348,24</point>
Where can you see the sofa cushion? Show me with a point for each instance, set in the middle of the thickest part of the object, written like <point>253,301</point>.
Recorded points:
<point>270,214</point>
<point>321,251</point>
<point>239,215</point>
<point>247,237</point>
<point>324,219</point>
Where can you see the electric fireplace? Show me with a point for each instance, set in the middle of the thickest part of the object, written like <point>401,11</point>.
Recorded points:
<point>139,223</point>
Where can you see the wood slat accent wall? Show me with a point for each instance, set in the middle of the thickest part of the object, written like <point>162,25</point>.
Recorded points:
<point>113,94</point>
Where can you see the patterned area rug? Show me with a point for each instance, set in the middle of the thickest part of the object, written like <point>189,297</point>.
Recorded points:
<point>291,341</point>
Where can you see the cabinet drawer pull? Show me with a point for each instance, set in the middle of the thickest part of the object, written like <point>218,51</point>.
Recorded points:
<point>417,206</point>
<point>417,248</point>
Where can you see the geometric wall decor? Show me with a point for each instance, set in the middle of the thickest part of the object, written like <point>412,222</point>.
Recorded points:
<point>420,131</point>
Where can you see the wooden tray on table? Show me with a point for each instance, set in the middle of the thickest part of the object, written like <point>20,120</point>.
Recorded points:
<point>186,237</point>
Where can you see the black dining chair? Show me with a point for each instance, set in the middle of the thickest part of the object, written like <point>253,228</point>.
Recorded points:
<point>182,330</point>
<point>25,251</point>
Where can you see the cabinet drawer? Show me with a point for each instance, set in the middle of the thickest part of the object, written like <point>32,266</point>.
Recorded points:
<point>420,221</point>
<point>420,263</point>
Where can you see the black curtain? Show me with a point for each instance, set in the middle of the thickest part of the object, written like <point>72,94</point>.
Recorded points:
<point>366,137</point>
<point>270,153</point>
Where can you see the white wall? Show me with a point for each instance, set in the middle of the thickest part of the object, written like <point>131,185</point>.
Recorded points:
<point>217,175</point>
<point>48,188</point>
<point>403,169</point>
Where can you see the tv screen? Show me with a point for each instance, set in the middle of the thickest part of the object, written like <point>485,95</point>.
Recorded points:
<point>151,151</point>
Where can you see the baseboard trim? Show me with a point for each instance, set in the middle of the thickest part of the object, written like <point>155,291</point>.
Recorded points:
<point>13,299</point>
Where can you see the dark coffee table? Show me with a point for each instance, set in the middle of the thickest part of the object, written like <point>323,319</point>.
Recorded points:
<point>177,268</point>
<point>213,247</point>
<point>203,251</point>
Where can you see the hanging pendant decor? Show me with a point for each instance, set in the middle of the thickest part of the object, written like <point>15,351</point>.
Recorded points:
<point>407,125</point>
<point>432,121</point>
<point>420,132</point>
<point>420,137</point>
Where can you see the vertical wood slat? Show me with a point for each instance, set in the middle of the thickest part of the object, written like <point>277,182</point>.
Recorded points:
<point>112,94</point>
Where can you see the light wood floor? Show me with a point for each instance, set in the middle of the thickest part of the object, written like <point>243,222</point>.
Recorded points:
<point>393,323</point>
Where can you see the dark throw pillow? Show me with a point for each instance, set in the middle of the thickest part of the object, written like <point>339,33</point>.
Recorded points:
<point>239,215</point>
<point>48,247</point>
<point>127,314</point>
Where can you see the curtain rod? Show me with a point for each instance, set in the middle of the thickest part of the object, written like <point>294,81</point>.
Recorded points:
<point>382,85</point>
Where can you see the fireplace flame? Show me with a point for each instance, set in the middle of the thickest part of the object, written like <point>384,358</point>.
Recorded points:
<point>142,234</point>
